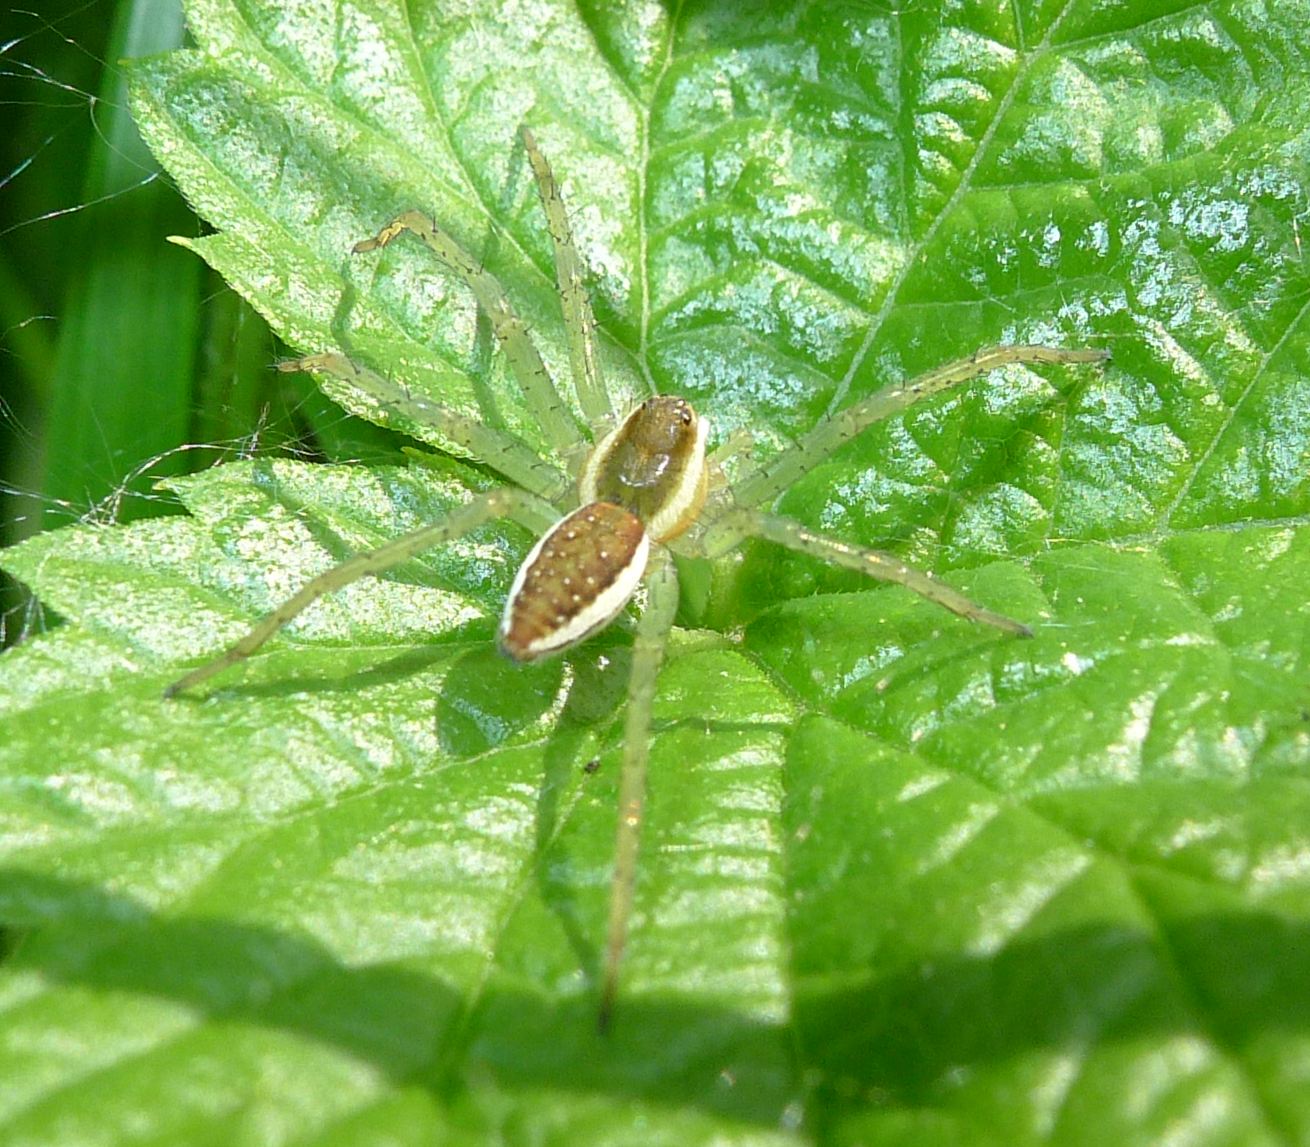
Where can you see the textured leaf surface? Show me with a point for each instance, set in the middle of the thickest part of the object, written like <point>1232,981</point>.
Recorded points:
<point>903,881</point>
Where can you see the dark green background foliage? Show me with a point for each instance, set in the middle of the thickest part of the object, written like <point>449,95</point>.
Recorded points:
<point>904,880</point>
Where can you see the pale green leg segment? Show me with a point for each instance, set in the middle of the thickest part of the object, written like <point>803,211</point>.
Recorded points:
<point>739,441</point>
<point>579,322</point>
<point>776,476</point>
<point>647,653</point>
<point>501,503</point>
<point>524,358</point>
<point>875,563</point>
<point>496,448</point>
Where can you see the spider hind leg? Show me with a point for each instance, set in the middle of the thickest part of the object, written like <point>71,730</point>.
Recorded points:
<point>647,655</point>
<point>503,502</point>
<point>874,563</point>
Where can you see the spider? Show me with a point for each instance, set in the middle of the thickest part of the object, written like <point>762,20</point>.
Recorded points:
<point>642,488</point>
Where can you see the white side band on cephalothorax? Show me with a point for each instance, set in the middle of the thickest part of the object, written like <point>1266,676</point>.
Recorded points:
<point>687,497</point>
<point>591,468</point>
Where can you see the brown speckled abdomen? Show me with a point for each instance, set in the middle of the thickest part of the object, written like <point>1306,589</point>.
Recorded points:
<point>575,581</point>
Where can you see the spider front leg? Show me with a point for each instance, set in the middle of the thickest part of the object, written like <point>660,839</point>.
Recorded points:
<point>501,503</point>
<point>511,332</point>
<point>777,475</point>
<point>499,449</point>
<point>579,322</point>
<point>647,654</point>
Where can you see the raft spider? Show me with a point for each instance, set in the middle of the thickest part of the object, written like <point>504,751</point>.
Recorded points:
<point>641,494</point>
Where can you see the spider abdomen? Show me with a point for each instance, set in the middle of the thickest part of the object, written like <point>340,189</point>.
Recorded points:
<point>575,581</point>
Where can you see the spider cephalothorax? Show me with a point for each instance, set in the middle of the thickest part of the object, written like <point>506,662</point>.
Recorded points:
<point>653,464</point>
<point>640,489</point>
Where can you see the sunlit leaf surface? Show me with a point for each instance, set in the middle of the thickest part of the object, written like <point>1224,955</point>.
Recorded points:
<point>904,881</point>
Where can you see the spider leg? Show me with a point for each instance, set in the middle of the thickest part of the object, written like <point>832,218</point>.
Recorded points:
<point>579,322</point>
<point>498,503</point>
<point>778,474</point>
<point>874,563</point>
<point>499,449</point>
<point>511,332</point>
<point>740,441</point>
<point>647,653</point>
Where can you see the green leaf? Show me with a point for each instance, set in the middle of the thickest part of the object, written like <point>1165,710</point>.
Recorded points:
<point>902,880</point>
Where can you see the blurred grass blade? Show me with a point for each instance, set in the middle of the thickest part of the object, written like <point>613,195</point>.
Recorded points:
<point>122,390</point>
